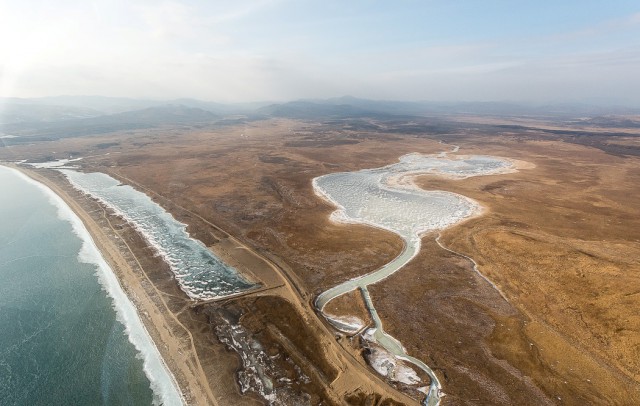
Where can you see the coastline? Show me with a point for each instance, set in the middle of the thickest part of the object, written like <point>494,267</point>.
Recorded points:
<point>533,217</point>
<point>157,319</point>
<point>204,369</point>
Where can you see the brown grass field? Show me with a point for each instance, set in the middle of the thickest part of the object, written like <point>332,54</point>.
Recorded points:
<point>560,240</point>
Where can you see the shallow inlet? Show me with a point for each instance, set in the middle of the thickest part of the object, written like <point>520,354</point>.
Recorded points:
<point>386,198</point>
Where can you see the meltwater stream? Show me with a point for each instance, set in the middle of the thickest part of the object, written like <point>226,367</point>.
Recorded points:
<point>385,198</point>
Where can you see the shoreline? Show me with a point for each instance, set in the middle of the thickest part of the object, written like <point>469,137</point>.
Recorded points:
<point>126,312</point>
<point>192,387</point>
<point>198,362</point>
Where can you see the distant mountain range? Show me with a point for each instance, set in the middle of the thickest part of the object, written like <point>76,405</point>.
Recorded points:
<point>320,109</point>
<point>112,105</point>
<point>428,108</point>
<point>68,125</point>
<point>72,116</point>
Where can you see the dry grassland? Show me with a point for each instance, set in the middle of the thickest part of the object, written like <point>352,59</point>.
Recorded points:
<point>561,241</point>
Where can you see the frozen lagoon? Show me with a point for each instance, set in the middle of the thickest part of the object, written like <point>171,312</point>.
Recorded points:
<point>200,274</point>
<point>386,198</point>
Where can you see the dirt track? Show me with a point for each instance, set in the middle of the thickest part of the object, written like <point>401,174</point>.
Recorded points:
<point>560,241</point>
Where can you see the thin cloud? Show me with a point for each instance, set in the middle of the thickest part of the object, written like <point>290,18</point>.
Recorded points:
<point>268,49</point>
<point>240,10</point>
<point>626,23</point>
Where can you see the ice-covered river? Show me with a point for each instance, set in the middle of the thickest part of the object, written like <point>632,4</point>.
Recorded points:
<point>386,198</point>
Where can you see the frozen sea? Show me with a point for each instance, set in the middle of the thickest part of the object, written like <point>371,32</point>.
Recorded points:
<point>68,335</point>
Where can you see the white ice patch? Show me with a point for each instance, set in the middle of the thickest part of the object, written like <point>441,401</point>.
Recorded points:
<point>387,365</point>
<point>57,164</point>
<point>346,324</point>
<point>382,197</point>
<point>383,362</point>
<point>406,375</point>
<point>200,274</point>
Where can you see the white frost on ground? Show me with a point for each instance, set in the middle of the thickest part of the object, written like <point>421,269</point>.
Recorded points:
<point>383,362</point>
<point>406,375</point>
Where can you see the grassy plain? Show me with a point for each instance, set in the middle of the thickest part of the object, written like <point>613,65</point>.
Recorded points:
<point>560,240</point>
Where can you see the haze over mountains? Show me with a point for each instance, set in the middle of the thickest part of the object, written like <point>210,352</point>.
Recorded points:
<point>68,116</point>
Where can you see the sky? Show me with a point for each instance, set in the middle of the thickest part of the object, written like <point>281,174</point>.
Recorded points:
<point>257,50</point>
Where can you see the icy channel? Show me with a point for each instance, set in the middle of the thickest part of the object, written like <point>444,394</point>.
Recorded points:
<point>382,197</point>
<point>201,274</point>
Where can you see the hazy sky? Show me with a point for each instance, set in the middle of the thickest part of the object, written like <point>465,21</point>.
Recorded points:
<point>560,50</point>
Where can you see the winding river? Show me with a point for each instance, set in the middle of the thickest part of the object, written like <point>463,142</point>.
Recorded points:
<point>386,198</point>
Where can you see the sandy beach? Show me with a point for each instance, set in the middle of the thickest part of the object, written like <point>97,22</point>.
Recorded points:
<point>204,368</point>
<point>496,346</point>
<point>172,338</point>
